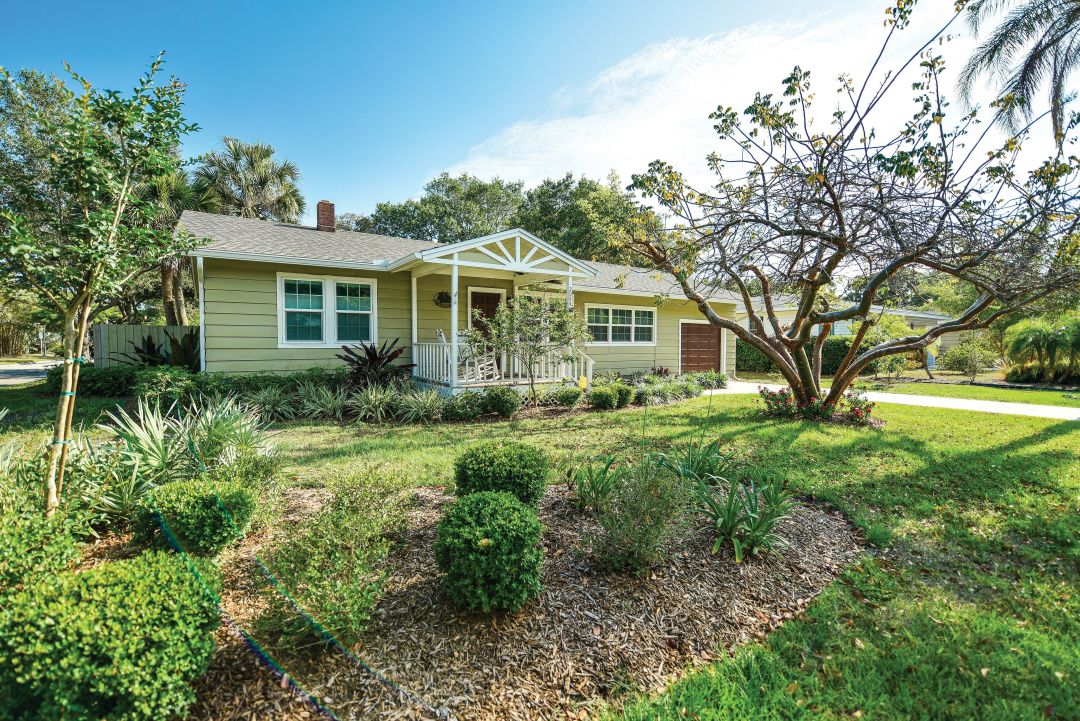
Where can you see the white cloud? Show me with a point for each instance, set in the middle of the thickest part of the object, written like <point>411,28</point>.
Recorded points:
<point>655,103</point>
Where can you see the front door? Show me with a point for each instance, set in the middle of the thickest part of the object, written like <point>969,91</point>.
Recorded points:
<point>485,304</point>
<point>700,347</point>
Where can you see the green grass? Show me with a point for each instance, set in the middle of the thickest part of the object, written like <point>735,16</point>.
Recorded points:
<point>969,610</point>
<point>1069,399</point>
<point>8,359</point>
<point>31,412</point>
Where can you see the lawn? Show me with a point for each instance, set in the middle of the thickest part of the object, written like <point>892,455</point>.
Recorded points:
<point>969,607</point>
<point>1069,399</point>
<point>970,610</point>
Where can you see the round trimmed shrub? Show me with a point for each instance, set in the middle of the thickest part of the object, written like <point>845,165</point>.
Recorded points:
<point>201,516</point>
<point>121,641</point>
<point>515,468</point>
<point>623,394</point>
<point>502,401</point>
<point>488,545</point>
<point>604,398</point>
<point>568,396</point>
<point>464,406</point>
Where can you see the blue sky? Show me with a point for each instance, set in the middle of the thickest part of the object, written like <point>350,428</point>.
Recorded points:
<point>373,99</point>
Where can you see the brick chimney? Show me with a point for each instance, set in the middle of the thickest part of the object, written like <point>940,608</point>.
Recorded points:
<point>324,216</point>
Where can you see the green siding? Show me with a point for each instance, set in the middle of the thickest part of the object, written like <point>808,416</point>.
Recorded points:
<point>241,329</point>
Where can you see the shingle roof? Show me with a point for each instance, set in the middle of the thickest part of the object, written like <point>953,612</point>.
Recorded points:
<point>626,277</point>
<point>228,234</point>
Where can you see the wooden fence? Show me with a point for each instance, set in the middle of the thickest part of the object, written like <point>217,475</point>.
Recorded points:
<point>111,342</point>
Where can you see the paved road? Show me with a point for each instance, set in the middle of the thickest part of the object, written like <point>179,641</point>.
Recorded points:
<point>966,404</point>
<point>13,374</point>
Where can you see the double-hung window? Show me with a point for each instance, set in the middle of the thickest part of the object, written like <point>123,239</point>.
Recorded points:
<point>620,324</point>
<point>325,310</point>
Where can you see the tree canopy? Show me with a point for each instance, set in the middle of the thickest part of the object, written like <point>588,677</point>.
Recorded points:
<point>246,179</point>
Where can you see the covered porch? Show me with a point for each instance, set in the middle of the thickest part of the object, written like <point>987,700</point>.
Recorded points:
<point>450,283</point>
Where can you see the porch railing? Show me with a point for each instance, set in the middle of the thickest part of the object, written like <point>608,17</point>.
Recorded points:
<point>433,364</point>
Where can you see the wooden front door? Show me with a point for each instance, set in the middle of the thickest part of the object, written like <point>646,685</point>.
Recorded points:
<point>484,304</point>
<point>701,347</point>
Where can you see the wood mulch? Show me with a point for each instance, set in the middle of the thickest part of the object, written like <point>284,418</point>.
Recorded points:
<point>584,643</point>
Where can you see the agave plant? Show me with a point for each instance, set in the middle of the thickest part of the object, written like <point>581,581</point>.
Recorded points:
<point>147,352</point>
<point>375,366</point>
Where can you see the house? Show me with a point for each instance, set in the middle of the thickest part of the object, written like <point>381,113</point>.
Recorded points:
<point>281,297</point>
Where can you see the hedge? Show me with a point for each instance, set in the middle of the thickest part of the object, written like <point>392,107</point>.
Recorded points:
<point>749,359</point>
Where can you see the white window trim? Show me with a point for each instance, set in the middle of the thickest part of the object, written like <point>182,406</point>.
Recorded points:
<point>723,342</point>
<point>480,289</point>
<point>329,309</point>
<point>631,342</point>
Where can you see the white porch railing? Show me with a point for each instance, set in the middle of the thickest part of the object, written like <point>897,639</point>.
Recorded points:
<point>433,364</point>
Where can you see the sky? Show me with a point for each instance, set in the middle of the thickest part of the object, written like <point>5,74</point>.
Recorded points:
<point>373,99</point>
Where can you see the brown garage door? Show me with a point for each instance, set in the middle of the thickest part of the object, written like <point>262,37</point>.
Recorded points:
<point>700,347</point>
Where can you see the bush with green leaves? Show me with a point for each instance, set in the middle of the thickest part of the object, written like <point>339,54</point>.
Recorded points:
<point>971,356</point>
<point>507,466</point>
<point>116,381</point>
<point>274,403</point>
<point>199,516</point>
<point>463,406</point>
<point>489,546</point>
<point>709,380</point>
<point>35,546</point>
<point>624,394</point>
<point>164,384</point>
<point>332,566</point>
<point>568,396</point>
<point>603,398</point>
<point>745,515</point>
<point>643,518</point>
<point>421,406</point>
<point>375,404</point>
<point>121,641</point>
<point>502,401</point>
<point>320,402</point>
<point>593,483</point>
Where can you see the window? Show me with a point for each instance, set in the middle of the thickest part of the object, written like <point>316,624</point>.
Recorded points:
<point>303,311</point>
<point>621,324</point>
<point>353,312</point>
<point>325,311</point>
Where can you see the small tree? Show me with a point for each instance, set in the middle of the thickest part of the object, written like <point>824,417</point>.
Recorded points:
<point>797,210</point>
<point>83,231</point>
<point>531,329</point>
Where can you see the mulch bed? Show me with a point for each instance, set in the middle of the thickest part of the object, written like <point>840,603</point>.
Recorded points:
<point>585,642</point>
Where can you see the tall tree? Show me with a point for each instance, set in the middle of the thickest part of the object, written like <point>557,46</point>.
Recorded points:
<point>800,208</point>
<point>1035,46</point>
<point>583,217</point>
<point>246,180</point>
<point>170,195</point>
<point>84,231</point>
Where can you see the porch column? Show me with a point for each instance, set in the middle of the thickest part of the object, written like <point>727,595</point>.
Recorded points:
<point>570,288</point>
<point>454,323</point>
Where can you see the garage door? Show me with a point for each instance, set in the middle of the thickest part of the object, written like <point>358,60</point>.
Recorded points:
<point>700,347</point>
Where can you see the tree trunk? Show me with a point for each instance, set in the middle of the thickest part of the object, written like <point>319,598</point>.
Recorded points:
<point>168,288</point>
<point>178,297</point>
<point>75,321</point>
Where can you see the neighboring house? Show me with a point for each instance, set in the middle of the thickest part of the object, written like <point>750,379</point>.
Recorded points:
<point>918,320</point>
<point>280,297</point>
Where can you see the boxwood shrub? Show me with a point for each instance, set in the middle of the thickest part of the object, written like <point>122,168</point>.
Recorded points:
<point>488,545</point>
<point>464,406</point>
<point>604,398</point>
<point>33,546</point>
<point>201,516</point>
<point>623,394</point>
<point>121,641</point>
<point>568,396</point>
<point>116,381</point>
<point>502,400</point>
<point>515,468</point>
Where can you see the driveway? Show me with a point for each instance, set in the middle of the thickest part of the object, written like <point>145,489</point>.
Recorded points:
<point>13,374</point>
<point>964,404</point>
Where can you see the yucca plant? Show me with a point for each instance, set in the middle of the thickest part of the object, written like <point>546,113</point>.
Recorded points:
<point>420,406</point>
<point>375,404</point>
<point>699,461</point>
<point>150,438</point>
<point>766,506</point>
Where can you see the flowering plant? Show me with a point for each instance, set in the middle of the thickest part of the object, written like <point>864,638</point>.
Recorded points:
<point>859,407</point>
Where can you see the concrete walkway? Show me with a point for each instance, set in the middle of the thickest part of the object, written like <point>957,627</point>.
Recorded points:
<point>13,374</point>
<point>965,404</point>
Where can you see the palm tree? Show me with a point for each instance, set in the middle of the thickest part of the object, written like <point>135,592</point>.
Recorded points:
<point>1036,339</point>
<point>171,195</point>
<point>1038,42</point>
<point>247,181</point>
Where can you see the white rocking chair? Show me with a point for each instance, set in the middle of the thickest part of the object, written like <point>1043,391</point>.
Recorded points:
<point>473,367</point>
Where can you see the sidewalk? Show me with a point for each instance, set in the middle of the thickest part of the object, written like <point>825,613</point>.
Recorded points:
<point>964,404</point>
